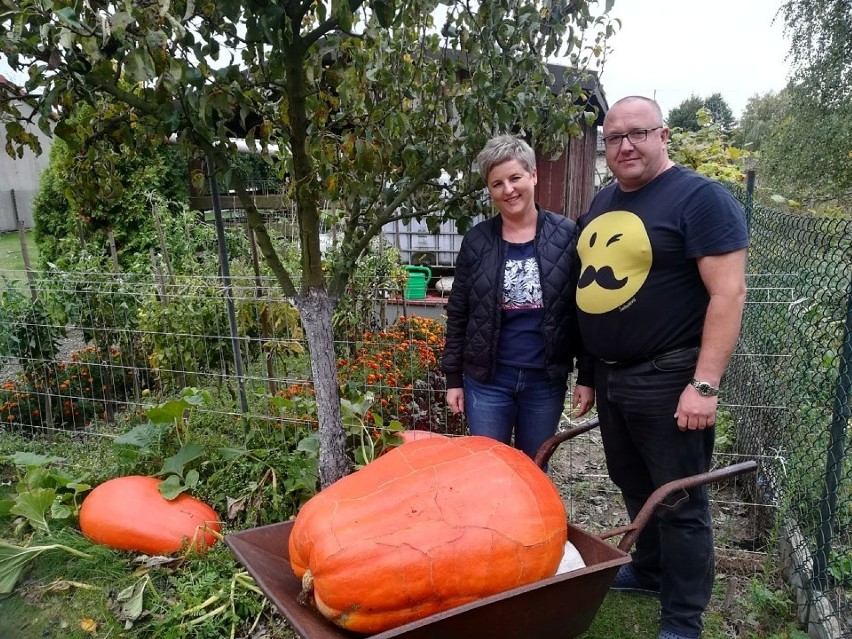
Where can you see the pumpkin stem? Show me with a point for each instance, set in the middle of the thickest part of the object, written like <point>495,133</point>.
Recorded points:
<point>305,598</point>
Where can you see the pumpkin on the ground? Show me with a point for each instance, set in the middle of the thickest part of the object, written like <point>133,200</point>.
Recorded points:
<point>129,513</point>
<point>434,524</point>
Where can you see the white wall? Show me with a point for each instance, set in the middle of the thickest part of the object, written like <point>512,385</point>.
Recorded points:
<point>22,173</point>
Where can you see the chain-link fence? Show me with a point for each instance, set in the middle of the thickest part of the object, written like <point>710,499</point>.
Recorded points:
<point>788,389</point>
<point>98,345</point>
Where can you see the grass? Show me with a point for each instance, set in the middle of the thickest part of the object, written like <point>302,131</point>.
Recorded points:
<point>759,614</point>
<point>11,255</point>
<point>625,616</point>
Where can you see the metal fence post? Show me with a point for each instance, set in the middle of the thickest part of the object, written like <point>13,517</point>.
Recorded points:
<point>226,281</point>
<point>749,197</point>
<point>834,455</point>
<point>25,254</point>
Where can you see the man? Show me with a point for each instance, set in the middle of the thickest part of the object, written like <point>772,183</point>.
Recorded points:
<point>660,301</point>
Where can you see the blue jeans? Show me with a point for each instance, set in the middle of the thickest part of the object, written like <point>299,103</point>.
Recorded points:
<point>644,450</point>
<point>520,400</point>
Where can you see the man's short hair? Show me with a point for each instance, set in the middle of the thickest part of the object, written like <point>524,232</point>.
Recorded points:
<point>654,105</point>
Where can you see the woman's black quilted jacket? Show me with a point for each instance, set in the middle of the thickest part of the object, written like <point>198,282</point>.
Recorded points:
<point>474,308</point>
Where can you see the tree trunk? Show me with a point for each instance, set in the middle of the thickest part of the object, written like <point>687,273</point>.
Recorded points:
<point>315,309</point>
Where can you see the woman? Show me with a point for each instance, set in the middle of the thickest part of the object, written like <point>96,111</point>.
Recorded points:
<point>512,335</point>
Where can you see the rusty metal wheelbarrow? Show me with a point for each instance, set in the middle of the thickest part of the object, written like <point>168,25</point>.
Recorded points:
<point>562,606</point>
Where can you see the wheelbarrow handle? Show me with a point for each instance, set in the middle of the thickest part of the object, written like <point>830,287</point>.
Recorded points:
<point>631,531</point>
<point>549,446</point>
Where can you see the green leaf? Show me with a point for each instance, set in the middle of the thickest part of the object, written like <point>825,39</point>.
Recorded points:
<point>34,505</point>
<point>28,460</point>
<point>143,436</point>
<point>69,18</point>
<point>228,453</point>
<point>384,10</point>
<point>42,477</point>
<point>176,463</point>
<point>308,445</point>
<point>15,559</point>
<point>362,456</point>
<point>168,413</point>
<point>58,510</point>
<point>340,10</point>
<point>191,479</point>
<point>139,66</point>
<point>196,397</point>
<point>171,487</point>
<point>77,487</point>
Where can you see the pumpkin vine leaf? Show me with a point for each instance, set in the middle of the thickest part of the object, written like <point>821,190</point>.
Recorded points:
<point>175,464</point>
<point>14,560</point>
<point>34,505</point>
<point>42,493</point>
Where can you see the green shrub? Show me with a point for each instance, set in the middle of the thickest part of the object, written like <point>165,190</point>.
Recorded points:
<point>28,333</point>
<point>187,334</point>
<point>88,191</point>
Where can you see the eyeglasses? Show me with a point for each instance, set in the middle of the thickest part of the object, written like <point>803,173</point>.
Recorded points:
<point>634,137</point>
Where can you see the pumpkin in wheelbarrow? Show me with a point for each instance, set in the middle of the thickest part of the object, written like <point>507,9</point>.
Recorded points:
<point>431,525</point>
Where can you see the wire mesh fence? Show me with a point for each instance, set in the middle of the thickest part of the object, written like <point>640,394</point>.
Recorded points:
<point>96,346</point>
<point>788,389</point>
<point>138,338</point>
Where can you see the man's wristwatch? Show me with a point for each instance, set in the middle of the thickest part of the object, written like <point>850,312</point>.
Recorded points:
<point>704,388</point>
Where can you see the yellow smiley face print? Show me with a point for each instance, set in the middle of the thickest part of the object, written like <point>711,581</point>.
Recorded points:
<point>616,257</point>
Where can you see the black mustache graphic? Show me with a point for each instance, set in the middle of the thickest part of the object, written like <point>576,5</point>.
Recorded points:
<point>605,278</point>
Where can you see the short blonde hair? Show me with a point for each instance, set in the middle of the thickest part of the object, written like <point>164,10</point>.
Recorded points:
<point>503,148</point>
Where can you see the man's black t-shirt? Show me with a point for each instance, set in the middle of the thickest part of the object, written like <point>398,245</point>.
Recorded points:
<point>640,292</point>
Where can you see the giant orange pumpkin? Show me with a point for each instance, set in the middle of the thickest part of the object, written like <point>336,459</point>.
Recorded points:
<point>129,513</point>
<point>432,525</point>
<point>409,436</point>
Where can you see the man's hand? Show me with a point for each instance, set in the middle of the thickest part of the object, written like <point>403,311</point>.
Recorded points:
<point>695,411</point>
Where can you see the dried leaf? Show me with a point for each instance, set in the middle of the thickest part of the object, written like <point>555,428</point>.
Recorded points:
<point>236,506</point>
<point>89,625</point>
<point>131,600</point>
<point>156,561</point>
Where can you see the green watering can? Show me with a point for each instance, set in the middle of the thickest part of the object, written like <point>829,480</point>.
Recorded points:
<point>418,279</point>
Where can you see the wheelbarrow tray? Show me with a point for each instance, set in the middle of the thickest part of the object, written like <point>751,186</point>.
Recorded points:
<point>562,606</point>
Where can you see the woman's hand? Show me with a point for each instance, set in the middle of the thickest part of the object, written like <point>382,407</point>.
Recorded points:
<point>455,399</point>
<point>583,400</point>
